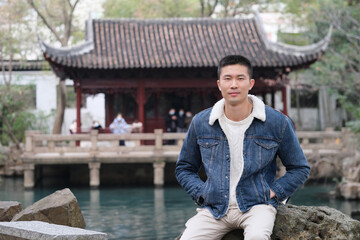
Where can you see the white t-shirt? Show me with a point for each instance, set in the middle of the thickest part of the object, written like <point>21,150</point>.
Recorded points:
<point>235,132</point>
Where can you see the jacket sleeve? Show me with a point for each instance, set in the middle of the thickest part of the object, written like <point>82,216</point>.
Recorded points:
<point>293,158</point>
<point>188,165</point>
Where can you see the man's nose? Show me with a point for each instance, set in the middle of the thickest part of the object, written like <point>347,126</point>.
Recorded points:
<point>234,83</point>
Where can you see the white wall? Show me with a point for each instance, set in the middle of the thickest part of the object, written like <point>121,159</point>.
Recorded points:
<point>46,95</point>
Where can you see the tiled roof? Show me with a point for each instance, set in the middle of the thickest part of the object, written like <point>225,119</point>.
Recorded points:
<point>168,43</point>
<point>28,65</point>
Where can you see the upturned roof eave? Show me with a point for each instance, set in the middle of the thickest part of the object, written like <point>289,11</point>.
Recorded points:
<point>288,49</point>
<point>78,49</point>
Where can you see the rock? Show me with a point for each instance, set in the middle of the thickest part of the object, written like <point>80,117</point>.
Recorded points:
<point>327,169</point>
<point>324,168</point>
<point>355,214</point>
<point>60,207</point>
<point>8,209</point>
<point>348,190</point>
<point>35,230</point>
<point>351,169</point>
<point>309,222</point>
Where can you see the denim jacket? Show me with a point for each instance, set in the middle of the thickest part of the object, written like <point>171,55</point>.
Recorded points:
<point>206,145</point>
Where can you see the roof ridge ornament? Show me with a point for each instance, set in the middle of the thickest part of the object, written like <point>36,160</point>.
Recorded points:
<point>289,49</point>
<point>74,50</point>
<point>89,29</point>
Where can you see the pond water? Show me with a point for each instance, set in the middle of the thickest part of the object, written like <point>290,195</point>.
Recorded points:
<point>148,213</point>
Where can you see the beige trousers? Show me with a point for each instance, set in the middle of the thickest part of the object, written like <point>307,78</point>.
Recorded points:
<point>257,223</point>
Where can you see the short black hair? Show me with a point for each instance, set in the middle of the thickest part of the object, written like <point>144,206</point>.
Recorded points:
<point>232,60</point>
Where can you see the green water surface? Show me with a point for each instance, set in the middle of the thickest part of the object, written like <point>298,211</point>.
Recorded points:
<point>148,213</point>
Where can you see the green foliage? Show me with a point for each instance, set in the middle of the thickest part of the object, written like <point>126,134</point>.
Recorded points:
<point>16,115</point>
<point>298,39</point>
<point>150,8</point>
<point>338,69</point>
<point>178,8</point>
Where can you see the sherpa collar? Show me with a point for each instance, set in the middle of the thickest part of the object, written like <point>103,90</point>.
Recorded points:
<point>258,109</point>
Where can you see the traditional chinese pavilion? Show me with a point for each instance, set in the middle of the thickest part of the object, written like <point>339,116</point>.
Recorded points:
<point>145,67</point>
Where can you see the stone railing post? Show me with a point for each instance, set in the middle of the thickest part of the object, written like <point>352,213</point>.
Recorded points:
<point>94,174</point>
<point>158,139</point>
<point>94,142</point>
<point>348,140</point>
<point>29,175</point>
<point>180,142</point>
<point>29,146</point>
<point>327,140</point>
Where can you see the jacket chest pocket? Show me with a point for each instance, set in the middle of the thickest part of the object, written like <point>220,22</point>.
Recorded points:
<point>265,151</point>
<point>208,148</point>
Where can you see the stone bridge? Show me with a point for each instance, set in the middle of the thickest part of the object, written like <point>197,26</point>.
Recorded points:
<point>95,149</point>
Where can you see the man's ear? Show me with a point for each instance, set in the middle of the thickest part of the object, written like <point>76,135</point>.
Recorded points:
<point>252,83</point>
<point>218,83</point>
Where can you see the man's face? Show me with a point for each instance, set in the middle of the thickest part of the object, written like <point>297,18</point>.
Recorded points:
<point>235,83</point>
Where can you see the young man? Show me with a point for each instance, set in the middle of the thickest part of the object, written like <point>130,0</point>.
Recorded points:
<point>237,142</point>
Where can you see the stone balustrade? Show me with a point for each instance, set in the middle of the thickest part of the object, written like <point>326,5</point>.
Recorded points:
<point>95,149</point>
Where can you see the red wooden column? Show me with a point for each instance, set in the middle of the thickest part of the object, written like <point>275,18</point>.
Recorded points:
<point>141,101</point>
<point>78,106</point>
<point>284,99</point>
<point>109,109</point>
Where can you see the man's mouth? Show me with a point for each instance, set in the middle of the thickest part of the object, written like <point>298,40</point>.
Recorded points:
<point>234,94</point>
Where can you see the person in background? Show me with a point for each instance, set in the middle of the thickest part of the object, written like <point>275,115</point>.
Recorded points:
<point>171,124</point>
<point>136,126</point>
<point>181,121</point>
<point>170,120</point>
<point>73,127</point>
<point>188,118</point>
<point>96,125</point>
<point>119,126</point>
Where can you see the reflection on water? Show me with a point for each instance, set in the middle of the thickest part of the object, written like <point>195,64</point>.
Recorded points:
<point>147,213</point>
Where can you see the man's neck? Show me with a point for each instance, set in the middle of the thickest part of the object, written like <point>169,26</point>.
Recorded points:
<point>238,112</point>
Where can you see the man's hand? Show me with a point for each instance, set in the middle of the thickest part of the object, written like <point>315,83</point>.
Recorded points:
<point>272,194</point>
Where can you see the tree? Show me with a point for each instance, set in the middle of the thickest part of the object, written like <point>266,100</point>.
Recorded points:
<point>339,69</point>
<point>207,7</point>
<point>14,117</point>
<point>58,17</point>
<point>150,8</point>
<point>178,8</point>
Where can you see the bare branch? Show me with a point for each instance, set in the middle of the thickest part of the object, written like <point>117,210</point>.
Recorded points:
<point>44,19</point>
<point>212,7</point>
<point>202,8</point>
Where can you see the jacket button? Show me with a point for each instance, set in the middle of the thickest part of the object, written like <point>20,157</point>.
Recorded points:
<point>227,156</point>
<point>226,177</point>
<point>225,196</point>
<point>245,153</point>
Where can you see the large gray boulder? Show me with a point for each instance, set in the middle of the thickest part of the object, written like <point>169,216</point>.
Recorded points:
<point>60,208</point>
<point>308,222</point>
<point>36,230</point>
<point>8,209</point>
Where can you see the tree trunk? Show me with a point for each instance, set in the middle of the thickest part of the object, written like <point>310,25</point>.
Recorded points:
<point>297,101</point>
<point>60,110</point>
